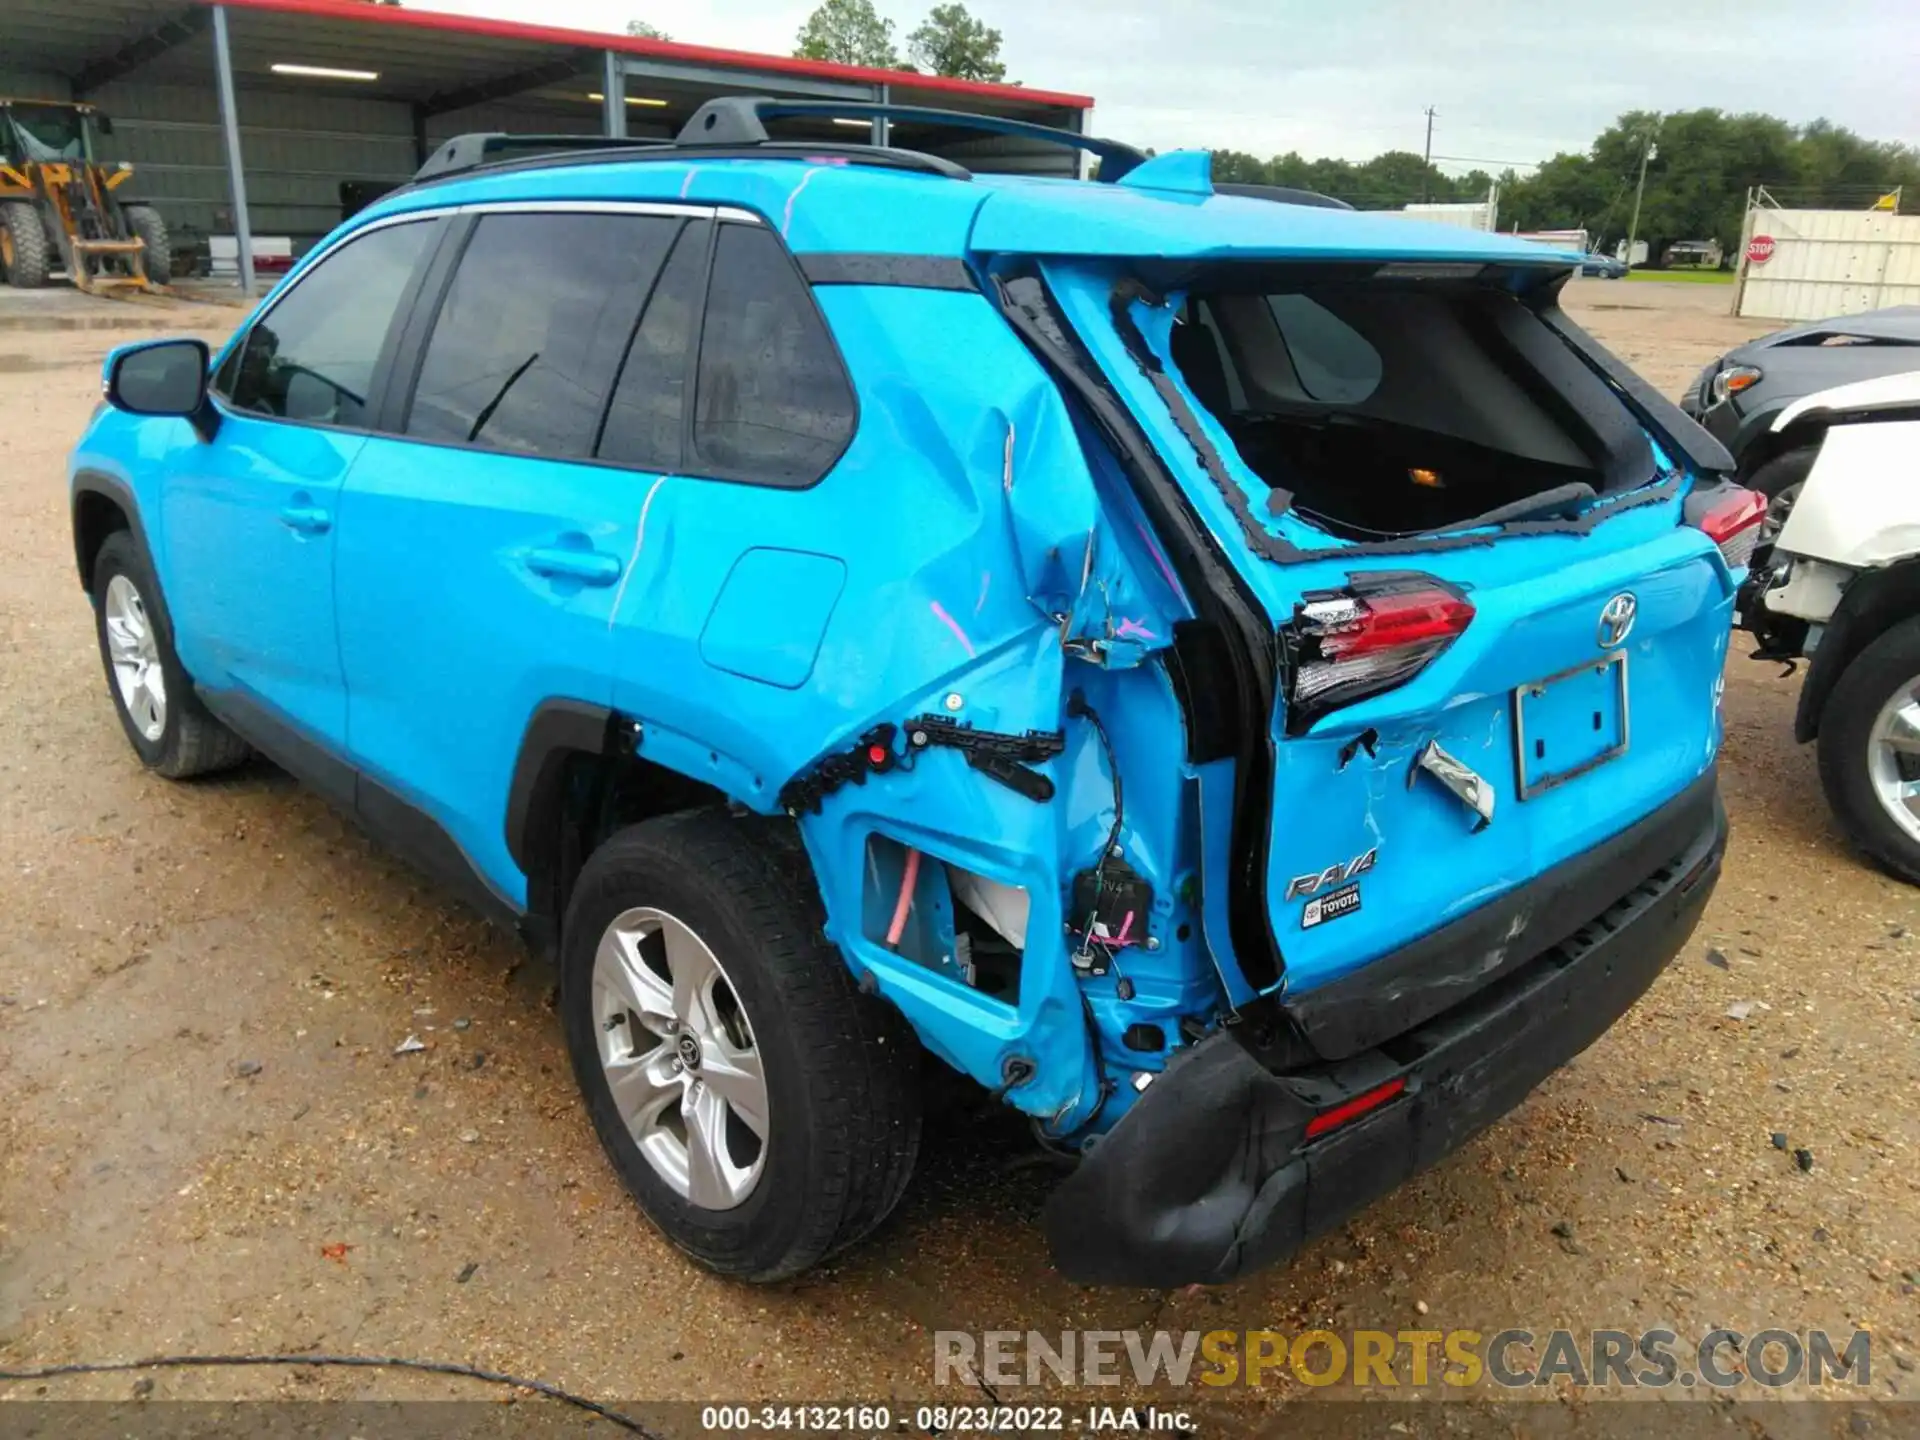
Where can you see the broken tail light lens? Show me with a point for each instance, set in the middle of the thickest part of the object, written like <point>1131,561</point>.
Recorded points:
<point>1371,637</point>
<point>1731,515</point>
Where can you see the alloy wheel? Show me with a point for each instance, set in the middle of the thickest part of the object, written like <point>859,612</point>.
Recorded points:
<point>1893,757</point>
<point>679,1058</point>
<point>134,653</point>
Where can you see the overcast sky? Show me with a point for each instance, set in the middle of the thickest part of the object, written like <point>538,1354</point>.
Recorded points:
<point>1512,80</point>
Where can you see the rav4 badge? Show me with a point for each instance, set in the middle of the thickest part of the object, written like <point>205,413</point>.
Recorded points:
<point>1332,875</point>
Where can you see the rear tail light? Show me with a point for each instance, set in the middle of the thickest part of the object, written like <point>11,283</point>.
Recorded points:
<point>1375,635</point>
<point>1731,516</point>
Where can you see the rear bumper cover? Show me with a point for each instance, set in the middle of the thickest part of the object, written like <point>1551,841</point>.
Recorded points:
<point>1210,1175</point>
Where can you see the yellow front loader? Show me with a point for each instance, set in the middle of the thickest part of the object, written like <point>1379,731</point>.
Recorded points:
<point>60,205</point>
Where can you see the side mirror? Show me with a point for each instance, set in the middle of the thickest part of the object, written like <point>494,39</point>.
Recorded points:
<point>163,377</point>
<point>105,122</point>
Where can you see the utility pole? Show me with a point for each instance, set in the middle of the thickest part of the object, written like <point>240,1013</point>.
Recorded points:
<point>1647,152</point>
<point>1426,162</point>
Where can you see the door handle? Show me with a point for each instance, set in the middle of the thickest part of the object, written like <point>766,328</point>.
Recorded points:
<point>589,567</point>
<point>307,519</point>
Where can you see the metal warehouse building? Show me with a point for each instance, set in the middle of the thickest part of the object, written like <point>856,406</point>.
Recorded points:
<point>232,133</point>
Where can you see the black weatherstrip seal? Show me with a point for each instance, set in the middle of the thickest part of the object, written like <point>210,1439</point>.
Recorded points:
<point>1260,540</point>
<point>1269,546</point>
<point>1248,647</point>
<point>912,272</point>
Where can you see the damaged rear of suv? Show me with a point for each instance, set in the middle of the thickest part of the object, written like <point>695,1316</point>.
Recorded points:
<point>1238,680</point>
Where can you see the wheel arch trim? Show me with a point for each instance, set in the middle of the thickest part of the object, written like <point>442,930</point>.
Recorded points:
<point>99,483</point>
<point>1870,606</point>
<point>557,730</point>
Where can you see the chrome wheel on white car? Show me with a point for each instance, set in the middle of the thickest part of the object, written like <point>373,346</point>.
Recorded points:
<point>1870,749</point>
<point>1893,757</point>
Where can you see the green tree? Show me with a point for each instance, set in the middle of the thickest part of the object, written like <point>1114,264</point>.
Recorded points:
<point>951,42</point>
<point>646,30</point>
<point>850,33</point>
<point>1698,175</point>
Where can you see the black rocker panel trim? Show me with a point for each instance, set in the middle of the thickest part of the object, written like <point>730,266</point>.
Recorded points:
<point>395,822</point>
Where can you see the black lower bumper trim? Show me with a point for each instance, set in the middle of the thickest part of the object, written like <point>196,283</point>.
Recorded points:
<point>1210,1174</point>
<point>1439,970</point>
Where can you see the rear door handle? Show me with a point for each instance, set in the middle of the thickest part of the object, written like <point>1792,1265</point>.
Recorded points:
<point>589,567</point>
<point>307,519</point>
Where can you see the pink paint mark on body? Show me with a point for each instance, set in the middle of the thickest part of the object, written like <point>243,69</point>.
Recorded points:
<point>1158,558</point>
<point>986,580</point>
<point>786,222</point>
<point>953,625</point>
<point>686,185</point>
<point>1133,630</point>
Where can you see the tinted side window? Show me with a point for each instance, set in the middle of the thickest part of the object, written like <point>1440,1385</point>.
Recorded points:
<point>525,347</point>
<point>1333,360</point>
<point>771,403</point>
<point>644,424</point>
<point>312,356</point>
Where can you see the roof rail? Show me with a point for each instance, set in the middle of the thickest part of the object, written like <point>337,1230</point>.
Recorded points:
<point>741,120</point>
<point>736,125</point>
<point>470,151</point>
<point>488,150</point>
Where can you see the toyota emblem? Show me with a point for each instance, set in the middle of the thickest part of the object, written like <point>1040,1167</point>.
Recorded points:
<point>1616,619</point>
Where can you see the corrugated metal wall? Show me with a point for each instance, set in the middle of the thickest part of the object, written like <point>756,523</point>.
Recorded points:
<point>297,150</point>
<point>1829,262</point>
<point>30,85</point>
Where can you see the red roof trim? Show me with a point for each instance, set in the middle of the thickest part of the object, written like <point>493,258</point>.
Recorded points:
<point>665,49</point>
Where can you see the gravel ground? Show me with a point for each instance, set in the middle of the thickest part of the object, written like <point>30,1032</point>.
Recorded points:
<point>208,1144</point>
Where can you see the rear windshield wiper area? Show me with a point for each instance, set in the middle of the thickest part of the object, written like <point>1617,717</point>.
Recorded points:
<point>1380,410</point>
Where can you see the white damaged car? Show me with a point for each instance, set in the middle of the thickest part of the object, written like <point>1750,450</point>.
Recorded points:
<point>1836,580</point>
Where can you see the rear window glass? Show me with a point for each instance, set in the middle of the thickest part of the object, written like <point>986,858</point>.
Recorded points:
<point>1333,360</point>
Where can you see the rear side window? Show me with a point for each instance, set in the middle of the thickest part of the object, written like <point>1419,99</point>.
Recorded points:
<point>312,356</point>
<point>528,342</point>
<point>1333,360</point>
<point>772,403</point>
<point>645,421</point>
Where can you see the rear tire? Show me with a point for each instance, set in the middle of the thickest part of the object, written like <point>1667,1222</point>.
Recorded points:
<point>726,901</point>
<point>147,227</point>
<point>1870,745</point>
<point>23,247</point>
<point>168,727</point>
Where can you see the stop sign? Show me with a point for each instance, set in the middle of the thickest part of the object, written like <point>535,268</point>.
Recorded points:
<point>1760,249</point>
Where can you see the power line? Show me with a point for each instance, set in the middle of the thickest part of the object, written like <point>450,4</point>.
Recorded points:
<point>1485,160</point>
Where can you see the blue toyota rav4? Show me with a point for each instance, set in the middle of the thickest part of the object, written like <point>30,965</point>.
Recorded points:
<point>1239,680</point>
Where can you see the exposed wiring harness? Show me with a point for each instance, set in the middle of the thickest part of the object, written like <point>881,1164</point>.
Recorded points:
<point>1080,709</point>
<point>358,1362</point>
